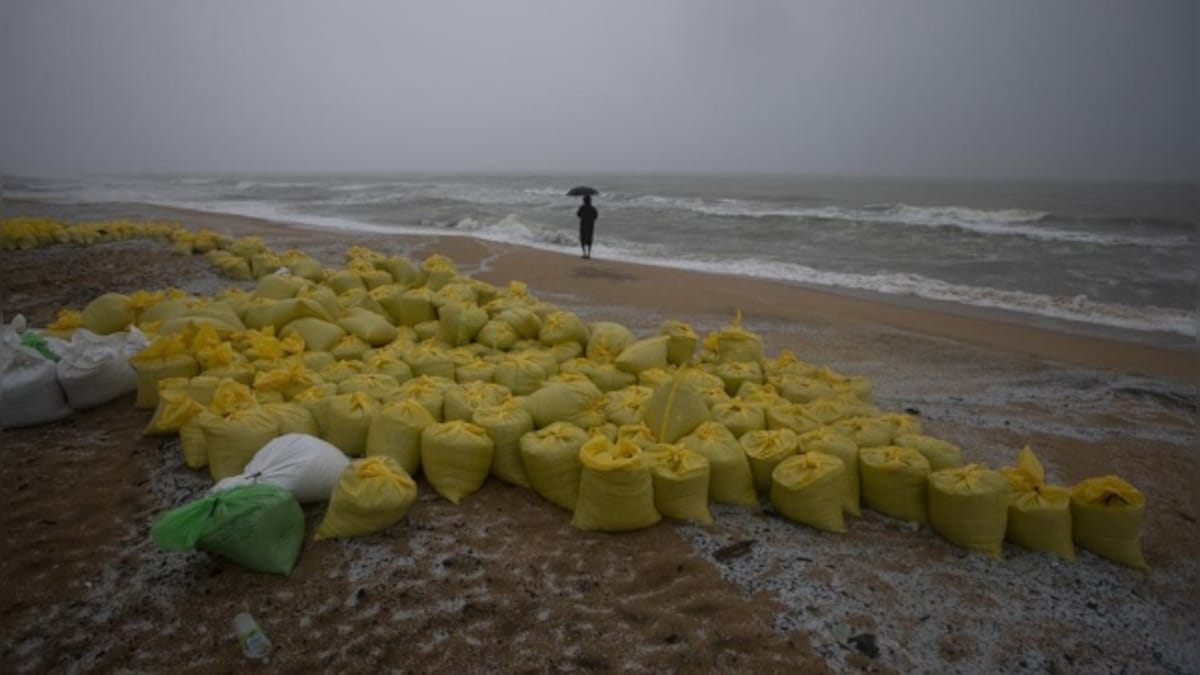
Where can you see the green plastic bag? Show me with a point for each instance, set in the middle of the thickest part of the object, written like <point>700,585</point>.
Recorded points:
<point>259,527</point>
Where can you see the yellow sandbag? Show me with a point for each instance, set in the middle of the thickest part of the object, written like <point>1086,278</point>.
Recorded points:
<point>415,306</point>
<point>232,439</point>
<point>827,411</point>
<point>456,457</point>
<point>902,424</point>
<point>263,313</point>
<point>803,388</point>
<point>681,341</point>
<point>766,449</point>
<point>175,408</point>
<point>941,454</point>
<point>460,322</point>
<point>639,434</point>
<point>521,374</point>
<point>293,418</point>
<point>462,401</point>
<point>438,270</point>
<point>792,416</point>
<point>430,358</point>
<point>561,401</point>
<point>396,432</point>
<point>388,296</point>
<point>279,286</point>
<point>559,327</point>
<point>734,343</point>
<point>191,443</point>
<point>390,365</point>
<point>376,385</point>
<point>428,391</point>
<point>616,491</point>
<point>166,309</point>
<point>551,460</point>
<point>736,373</point>
<point>403,270</point>
<point>506,424</point>
<point>289,379</point>
<point>811,489</point>
<point>831,442</point>
<point>475,370</point>
<point>318,335</point>
<point>108,313</point>
<point>218,310</point>
<point>371,495</point>
<point>342,370</point>
<point>680,479</point>
<point>350,418</point>
<point>345,280</point>
<point>368,326</point>
<point>165,357</point>
<point>739,417</point>
<point>968,505</point>
<point>606,340</point>
<point>894,481</point>
<point>349,348</point>
<point>627,406</point>
<point>655,376</point>
<point>867,432</point>
<point>497,335</point>
<point>1039,515</point>
<point>1040,520</point>
<point>607,377</point>
<point>644,354</point>
<point>523,320</point>
<point>676,408</point>
<point>1106,519</point>
<point>456,292</point>
<point>730,478</point>
<point>202,388</point>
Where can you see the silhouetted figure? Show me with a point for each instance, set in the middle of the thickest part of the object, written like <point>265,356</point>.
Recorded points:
<point>587,225</point>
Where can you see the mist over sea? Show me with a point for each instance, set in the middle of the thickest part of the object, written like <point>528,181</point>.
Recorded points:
<point>1101,256</point>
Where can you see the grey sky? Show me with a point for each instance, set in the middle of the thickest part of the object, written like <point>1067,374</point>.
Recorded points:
<point>1066,88</point>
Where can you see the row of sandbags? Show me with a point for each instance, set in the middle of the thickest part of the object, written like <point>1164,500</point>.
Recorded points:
<point>27,232</point>
<point>44,379</point>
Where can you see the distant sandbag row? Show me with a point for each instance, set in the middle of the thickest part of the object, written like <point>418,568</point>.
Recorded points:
<point>451,376</point>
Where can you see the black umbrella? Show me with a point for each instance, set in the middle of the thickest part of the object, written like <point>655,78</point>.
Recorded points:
<point>581,191</point>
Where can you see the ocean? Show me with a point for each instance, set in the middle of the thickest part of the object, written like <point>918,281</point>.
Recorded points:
<point>1094,258</point>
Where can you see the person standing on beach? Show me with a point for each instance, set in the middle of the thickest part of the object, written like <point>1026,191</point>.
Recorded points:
<point>587,225</point>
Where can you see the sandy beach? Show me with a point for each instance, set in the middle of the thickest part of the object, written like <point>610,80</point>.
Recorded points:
<point>502,583</point>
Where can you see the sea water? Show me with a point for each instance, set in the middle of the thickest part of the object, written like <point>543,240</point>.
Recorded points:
<point>1092,257</point>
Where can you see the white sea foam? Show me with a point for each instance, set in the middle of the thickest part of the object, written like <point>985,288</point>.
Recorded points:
<point>1004,222</point>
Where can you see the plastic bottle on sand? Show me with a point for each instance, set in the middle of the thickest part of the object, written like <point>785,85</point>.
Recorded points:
<point>255,642</point>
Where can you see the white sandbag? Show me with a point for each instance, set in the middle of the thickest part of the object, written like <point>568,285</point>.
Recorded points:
<point>29,391</point>
<point>305,465</point>
<point>94,369</point>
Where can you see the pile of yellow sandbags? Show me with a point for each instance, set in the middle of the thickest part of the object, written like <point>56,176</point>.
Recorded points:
<point>437,372</point>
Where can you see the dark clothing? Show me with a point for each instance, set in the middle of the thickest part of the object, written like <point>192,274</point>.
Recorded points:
<point>587,224</point>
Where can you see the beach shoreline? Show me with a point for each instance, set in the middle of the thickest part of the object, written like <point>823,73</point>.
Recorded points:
<point>665,288</point>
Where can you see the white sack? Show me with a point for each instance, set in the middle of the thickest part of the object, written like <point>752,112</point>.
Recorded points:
<point>29,391</point>
<point>94,369</point>
<point>305,465</point>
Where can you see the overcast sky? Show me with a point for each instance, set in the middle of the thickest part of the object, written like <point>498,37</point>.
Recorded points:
<point>1011,88</point>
